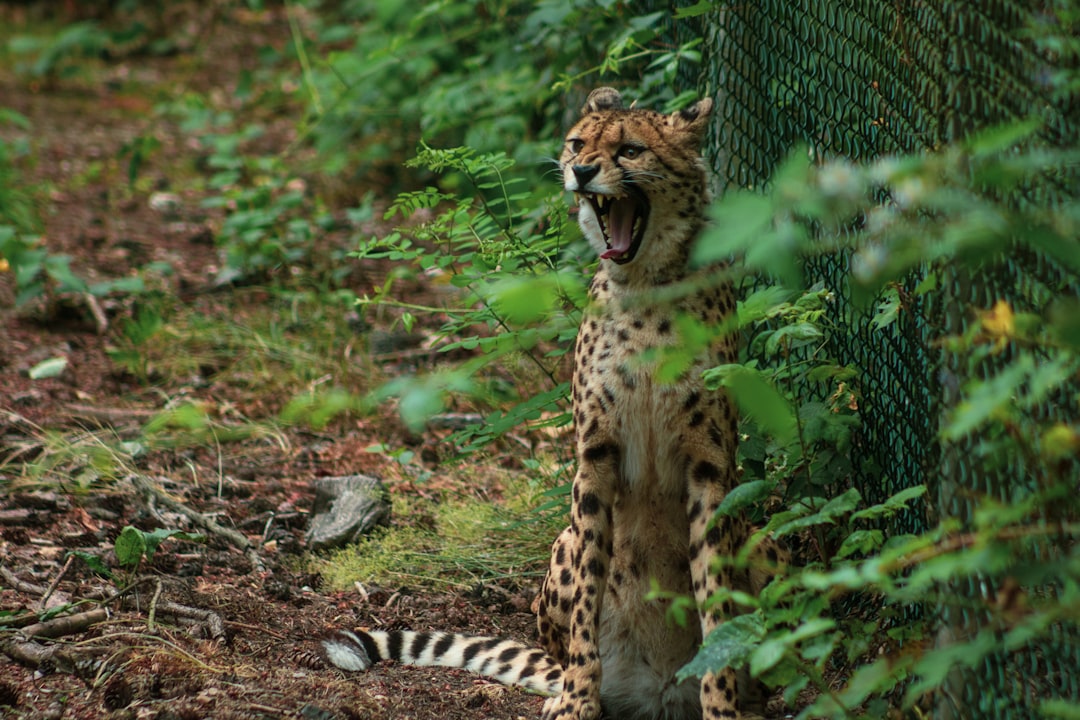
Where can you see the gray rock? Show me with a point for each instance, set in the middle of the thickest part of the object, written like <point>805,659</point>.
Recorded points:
<point>346,508</point>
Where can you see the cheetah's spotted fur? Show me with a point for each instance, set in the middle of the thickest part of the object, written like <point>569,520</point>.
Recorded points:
<point>654,459</point>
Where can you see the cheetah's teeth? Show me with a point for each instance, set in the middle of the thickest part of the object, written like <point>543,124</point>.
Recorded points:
<point>602,203</point>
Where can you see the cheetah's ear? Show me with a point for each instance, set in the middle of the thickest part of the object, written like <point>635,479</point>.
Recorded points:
<point>604,98</point>
<point>693,119</point>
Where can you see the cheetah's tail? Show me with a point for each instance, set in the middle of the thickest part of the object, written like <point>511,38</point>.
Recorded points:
<point>508,661</point>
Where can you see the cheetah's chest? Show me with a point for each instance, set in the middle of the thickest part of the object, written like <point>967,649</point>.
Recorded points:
<point>617,388</point>
<point>618,395</point>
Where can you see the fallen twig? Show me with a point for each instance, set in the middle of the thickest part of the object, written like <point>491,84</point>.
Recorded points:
<point>109,415</point>
<point>56,581</point>
<point>155,494</point>
<point>14,419</point>
<point>65,625</point>
<point>214,624</point>
<point>18,621</point>
<point>152,610</point>
<point>29,653</point>
<point>21,585</point>
<point>19,516</point>
<point>100,319</point>
<point>52,658</point>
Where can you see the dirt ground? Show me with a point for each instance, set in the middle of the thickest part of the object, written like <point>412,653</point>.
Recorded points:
<point>206,632</point>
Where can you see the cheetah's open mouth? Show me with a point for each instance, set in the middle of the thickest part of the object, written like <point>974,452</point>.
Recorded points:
<point>622,220</point>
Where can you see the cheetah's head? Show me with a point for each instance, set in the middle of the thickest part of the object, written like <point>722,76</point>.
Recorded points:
<point>631,169</point>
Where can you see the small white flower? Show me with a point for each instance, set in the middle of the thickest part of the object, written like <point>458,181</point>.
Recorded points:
<point>840,179</point>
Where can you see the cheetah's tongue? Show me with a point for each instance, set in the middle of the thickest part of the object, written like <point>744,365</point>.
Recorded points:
<point>620,227</point>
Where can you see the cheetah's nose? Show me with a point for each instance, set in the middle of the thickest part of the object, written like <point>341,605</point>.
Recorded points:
<point>585,173</point>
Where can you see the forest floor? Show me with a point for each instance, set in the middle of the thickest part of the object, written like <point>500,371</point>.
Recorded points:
<point>201,630</point>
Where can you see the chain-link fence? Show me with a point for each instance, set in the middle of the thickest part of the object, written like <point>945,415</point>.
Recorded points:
<point>864,78</point>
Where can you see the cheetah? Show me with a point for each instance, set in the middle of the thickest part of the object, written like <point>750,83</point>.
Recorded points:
<point>655,459</point>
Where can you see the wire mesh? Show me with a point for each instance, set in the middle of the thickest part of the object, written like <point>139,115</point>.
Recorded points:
<point>864,78</point>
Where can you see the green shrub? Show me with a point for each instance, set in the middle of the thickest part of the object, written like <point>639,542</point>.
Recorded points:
<point>515,287</point>
<point>946,217</point>
<point>21,250</point>
<point>489,75</point>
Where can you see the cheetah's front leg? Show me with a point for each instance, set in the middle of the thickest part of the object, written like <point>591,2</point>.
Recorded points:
<point>591,539</point>
<point>708,486</point>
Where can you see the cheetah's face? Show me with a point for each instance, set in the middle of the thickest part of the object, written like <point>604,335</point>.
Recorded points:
<point>609,183</point>
<point>629,168</point>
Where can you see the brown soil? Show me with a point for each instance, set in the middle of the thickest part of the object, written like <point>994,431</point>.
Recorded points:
<point>157,655</point>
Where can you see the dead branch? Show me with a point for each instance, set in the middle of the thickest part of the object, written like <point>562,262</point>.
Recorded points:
<point>30,654</point>
<point>21,585</point>
<point>152,610</point>
<point>56,582</point>
<point>50,658</point>
<point>18,621</point>
<point>17,421</point>
<point>153,493</point>
<point>18,516</point>
<point>100,320</point>
<point>214,624</point>
<point>65,625</point>
<point>109,415</point>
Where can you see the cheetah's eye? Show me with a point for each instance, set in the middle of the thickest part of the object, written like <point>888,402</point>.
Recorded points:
<point>630,151</point>
<point>575,145</point>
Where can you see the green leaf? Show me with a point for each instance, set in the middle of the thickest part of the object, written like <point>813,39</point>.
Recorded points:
<point>811,628</point>
<point>1047,377</point>
<point>134,544</point>
<point>59,269</point>
<point>92,561</point>
<point>29,291</point>
<point>845,577</point>
<point>698,8</point>
<point>931,669</point>
<point>55,612</point>
<point>1001,137</point>
<point>878,677</point>
<point>1052,244</point>
<point>795,335</point>
<point>888,309</point>
<point>756,397</point>
<point>861,542</point>
<point>154,539</point>
<point>762,304</point>
<point>842,504</point>
<point>771,652</point>
<point>191,417</point>
<point>744,495</point>
<point>127,285</point>
<point>728,645</point>
<point>318,408</point>
<point>419,403</point>
<point>794,688</point>
<point>529,410</point>
<point>767,655</point>
<point>1065,323</point>
<point>48,368</point>
<point>524,300</point>
<point>11,117</point>
<point>983,399</point>
<point>130,547</point>
<point>827,515</point>
<point>892,505</point>
<point>1060,709</point>
<point>739,219</point>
